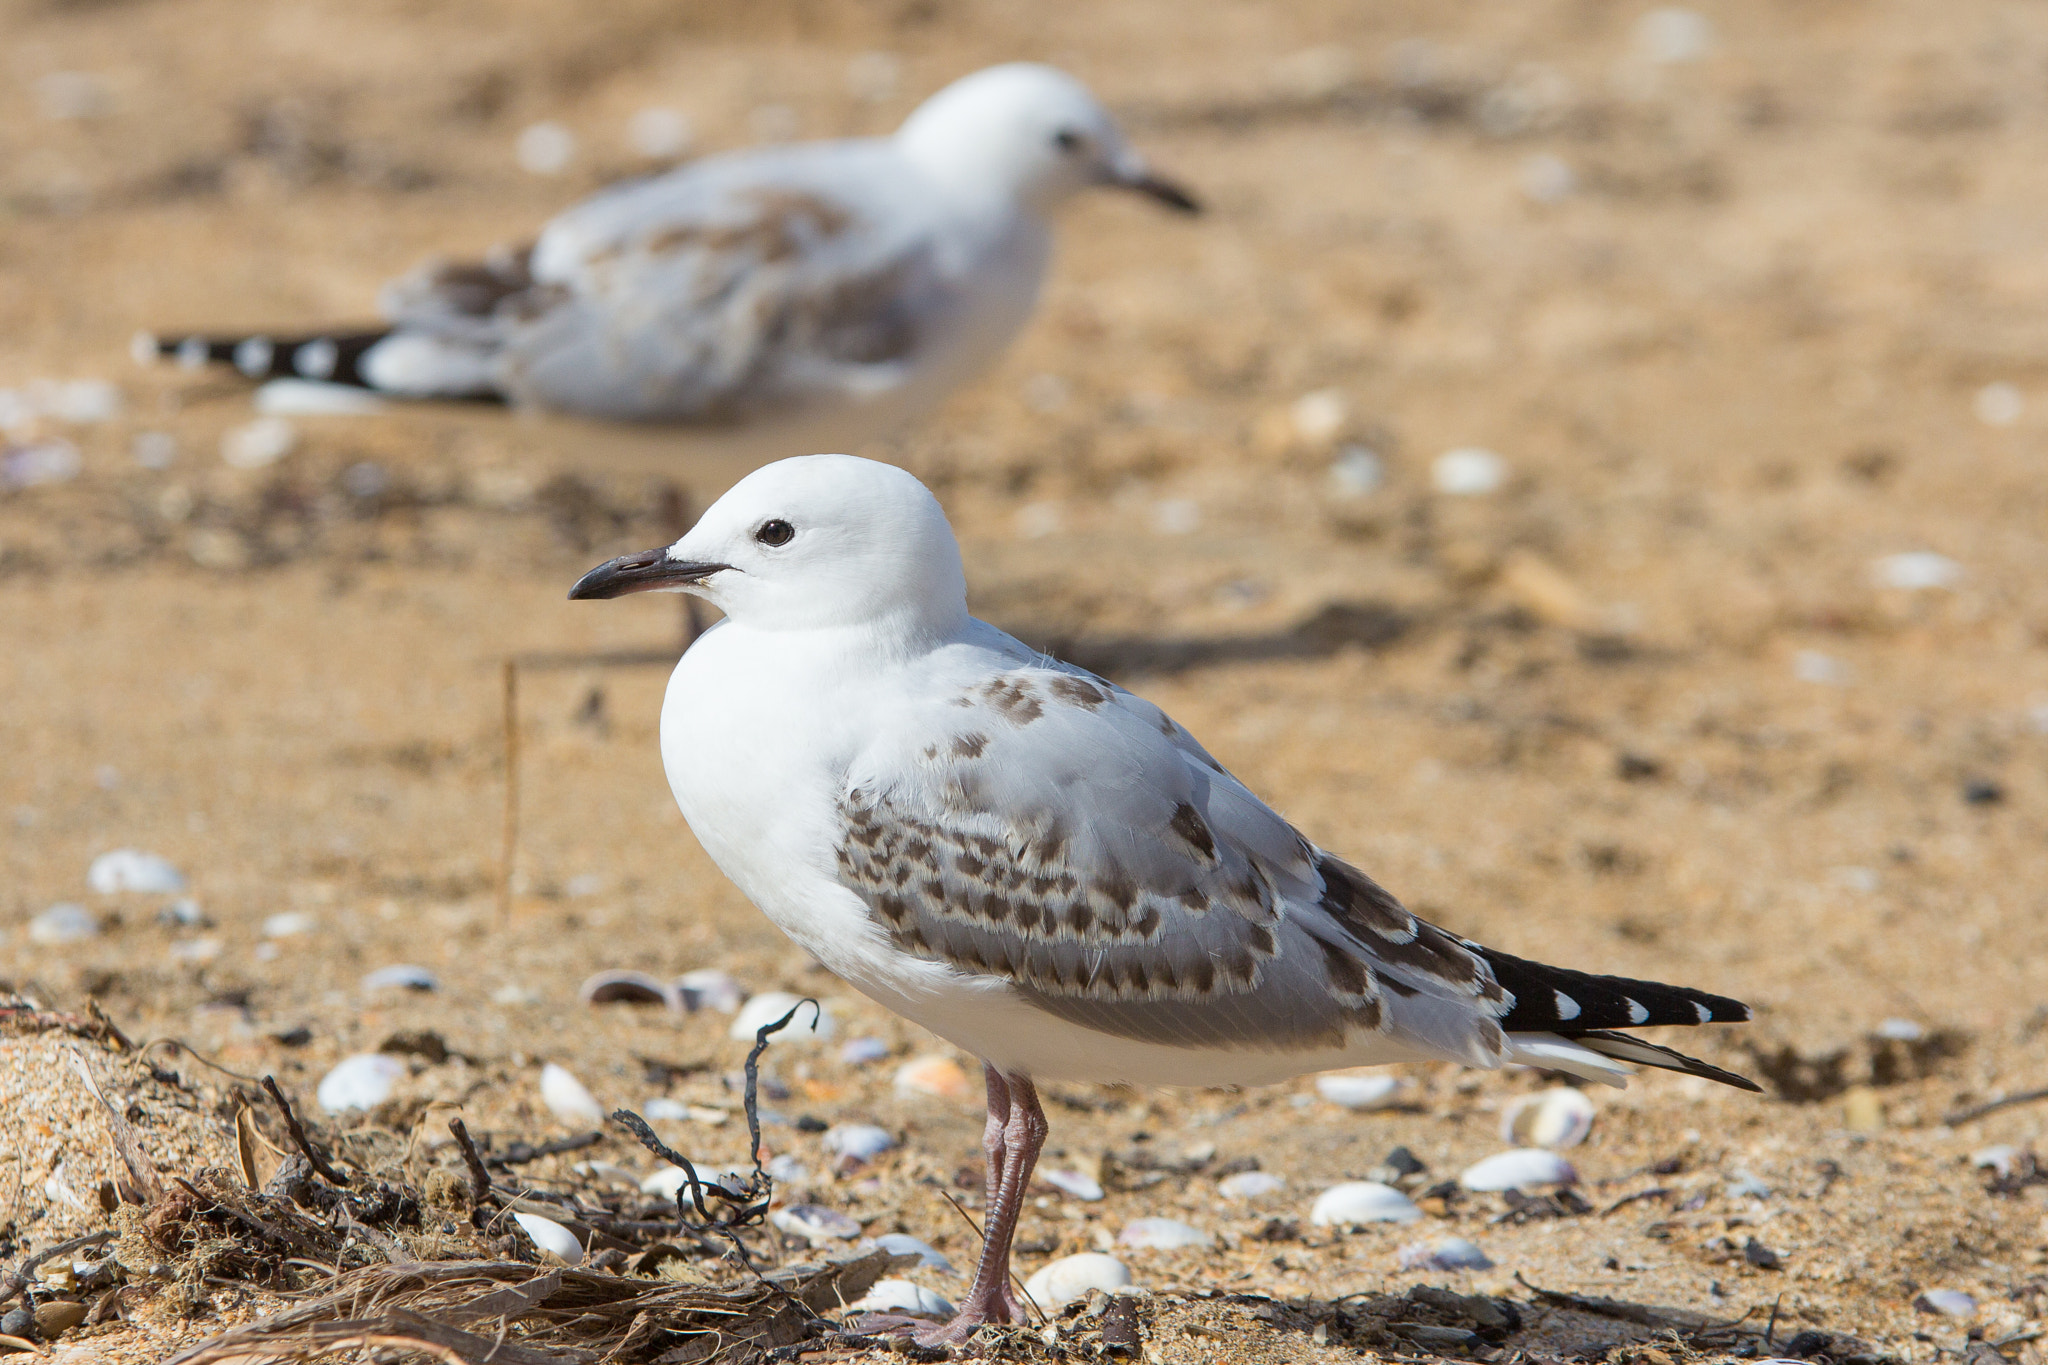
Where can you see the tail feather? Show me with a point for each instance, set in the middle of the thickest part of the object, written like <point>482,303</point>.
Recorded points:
<point>1625,1047</point>
<point>340,357</point>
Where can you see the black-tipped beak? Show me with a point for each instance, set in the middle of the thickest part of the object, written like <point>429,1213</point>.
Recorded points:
<point>1164,190</point>
<point>647,571</point>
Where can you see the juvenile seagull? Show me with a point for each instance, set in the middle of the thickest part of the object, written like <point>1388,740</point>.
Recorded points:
<point>1037,865</point>
<point>834,287</point>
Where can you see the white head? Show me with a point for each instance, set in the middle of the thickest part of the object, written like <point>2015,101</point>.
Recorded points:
<point>1030,133</point>
<point>814,542</point>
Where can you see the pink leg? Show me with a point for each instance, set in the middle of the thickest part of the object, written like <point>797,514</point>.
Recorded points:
<point>1013,1141</point>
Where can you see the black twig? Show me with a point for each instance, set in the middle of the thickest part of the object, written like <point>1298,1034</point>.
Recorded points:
<point>299,1139</point>
<point>1978,1111</point>
<point>479,1177</point>
<point>762,1183</point>
<point>638,1127</point>
<point>18,1279</point>
<point>520,1153</point>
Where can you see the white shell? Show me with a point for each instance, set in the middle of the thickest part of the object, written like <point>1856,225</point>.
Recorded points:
<point>130,869</point>
<point>64,922</point>
<point>363,1081</point>
<point>1362,1201</point>
<point>1071,1277</point>
<point>903,1244</point>
<point>401,976</point>
<point>670,1179</point>
<point>261,442</point>
<point>551,1237</point>
<point>662,1109</point>
<point>608,1172</point>
<point>785,1169</point>
<point>1950,1303</point>
<point>566,1097</point>
<point>1918,570</point>
<point>1518,1169</point>
<point>1163,1234</point>
<point>901,1296</point>
<point>861,1051</point>
<point>1555,1118</point>
<point>1082,1187</point>
<point>287,924</point>
<point>815,1223</point>
<point>769,1006</point>
<point>1998,1158</point>
<point>1445,1253</point>
<point>859,1141</point>
<point>1468,472</point>
<point>932,1075</point>
<point>1250,1184</point>
<point>708,988</point>
<point>1359,1090</point>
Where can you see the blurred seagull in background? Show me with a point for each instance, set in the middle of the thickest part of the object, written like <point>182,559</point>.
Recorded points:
<point>1037,865</point>
<point>839,288</point>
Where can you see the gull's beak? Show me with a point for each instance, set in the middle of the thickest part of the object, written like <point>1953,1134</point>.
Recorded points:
<point>647,571</point>
<point>1133,174</point>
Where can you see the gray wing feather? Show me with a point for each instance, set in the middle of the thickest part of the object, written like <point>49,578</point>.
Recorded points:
<point>1069,838</point>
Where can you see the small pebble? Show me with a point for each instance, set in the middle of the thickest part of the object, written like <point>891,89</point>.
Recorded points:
<point>1359,1090</point>
<point>1081,1187</point>
<point>63,922</point>
<point>1862,1110</point>
<point>262,442</point>
<point>861,1051</point>
<point>1071,1277</point>
<point>184,911</point>
<point>551,1237</point>
<point>566,1097</point>
<point>787,1170</point>
<point>401,976</point>
<point>1810,665</point>
<point>662,1109</point>
<point>55,1317</point>
<point>1318,418</point>
<point>1357,472</point>
<point>1761,1256</point>
<point>1519,1169</point>
<point>628,988</point>
<point>708,988</point>
<point>288,924</point>
<point>363,1081</point>
<point>130,869</point>
<point>1468,472</point>
<point>1362,1201</point>
<point>1981,791</point>
<point>545,148</point>
<point>196,950</point>
<point>1250,1185</point>
<point>1163,1234</point>
<point>659,133</point>
<point>1742,1185</point>
<point>18,1322</point>
<point>1445,1253</point>
<point>816,1223</point>
<point>1999,405</point>
<point>1555,1118</point>
<point>1949,1303</point>
<point>1999,1158</point>
<point>940,1076</point>
<point>901,1296</point>
<point>1918,571</point>
<point>1901,1030</point>
<point>860,1142</point>
<point>810,1023</point>
<point>903,1244</point>
<point>39,463</point>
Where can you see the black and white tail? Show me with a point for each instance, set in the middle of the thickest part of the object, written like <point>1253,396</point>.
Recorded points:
<point>1568,1020</point>
<point>386,360</point>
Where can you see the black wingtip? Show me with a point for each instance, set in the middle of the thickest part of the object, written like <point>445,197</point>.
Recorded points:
<point>1559,1000</point>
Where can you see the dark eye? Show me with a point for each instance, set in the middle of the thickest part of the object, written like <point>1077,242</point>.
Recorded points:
<point>1067,140</point>
<point>776,532</point>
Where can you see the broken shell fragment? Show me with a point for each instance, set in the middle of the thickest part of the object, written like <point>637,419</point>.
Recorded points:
<point>1519,1169</point>
<point>1555,1118</point>
<point>1163,1234</point>
<point>1445,1253</point>
<point>551,1237</point>
<point>815,1223</point>
<point>940,1076</point>
<point>626,987</point>
<point>1071,1277</point>
<point>1362,1201</point>
<point>811,1022</point>
<point>566,1097</point>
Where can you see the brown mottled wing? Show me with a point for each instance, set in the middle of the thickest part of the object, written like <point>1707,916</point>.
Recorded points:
<point>1070,838</point>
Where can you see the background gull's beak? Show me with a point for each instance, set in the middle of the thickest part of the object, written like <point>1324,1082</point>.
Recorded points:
<point>647,571</point>
<point>1133,174</point>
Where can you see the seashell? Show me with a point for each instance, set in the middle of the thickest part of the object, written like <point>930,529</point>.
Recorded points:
<point>861,1051</point>
<point>708,988</point>
<point>1071,1277</point>
<point>809,1024</point>
<point>1250,1185</point>
<point>1362,1201</point>
<point>662,1109</point>
<point>1468,472</point>
<point>401,976</point>
<point>1949,1303</point>
<point>551,1237</point>
<point>1918,571</point>
<point>1999,1158</point>
<point>1074,1183</point>
<point>816,1223</point>
<point>363,1081</point>
<point>566,1097</point>
<point>1900,1030</point>
<point>624,987</point>
<point>262,442</point>
<point>55,1317</point>
<point>64,922</point>
<point>196,950</point>
<point>1318,418</point>
<point>858,1141</point>
<point>940,1076</point>
<point>1519,1169</point>
<point>1445,1253</point>
<point>608,1172</point>
<point>669,1180</point>
<point>1358,1089</point>
<point>1357,471</point>
<point>288,924</point>
<point>185,912</point>
<point>545,148</point>
<point>130,869</point>
<point>1163,1234</point>
<point>901,1296</point>
<point>1743,1185</point>
<point>903,1244</point>
<point>1555,1118</point>
<point>787,1170</point>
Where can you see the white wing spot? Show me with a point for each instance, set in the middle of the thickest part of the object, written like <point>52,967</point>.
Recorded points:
<point>316,359</point>
<point>1706,1015</point>
<point>1636,1013</point>
<point>1567,1008</point>
<point>192,352</point>
<point>252,356</point>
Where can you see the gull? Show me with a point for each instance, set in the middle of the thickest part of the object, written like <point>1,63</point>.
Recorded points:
<point>1037,865</point>
<point>809,294</point>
